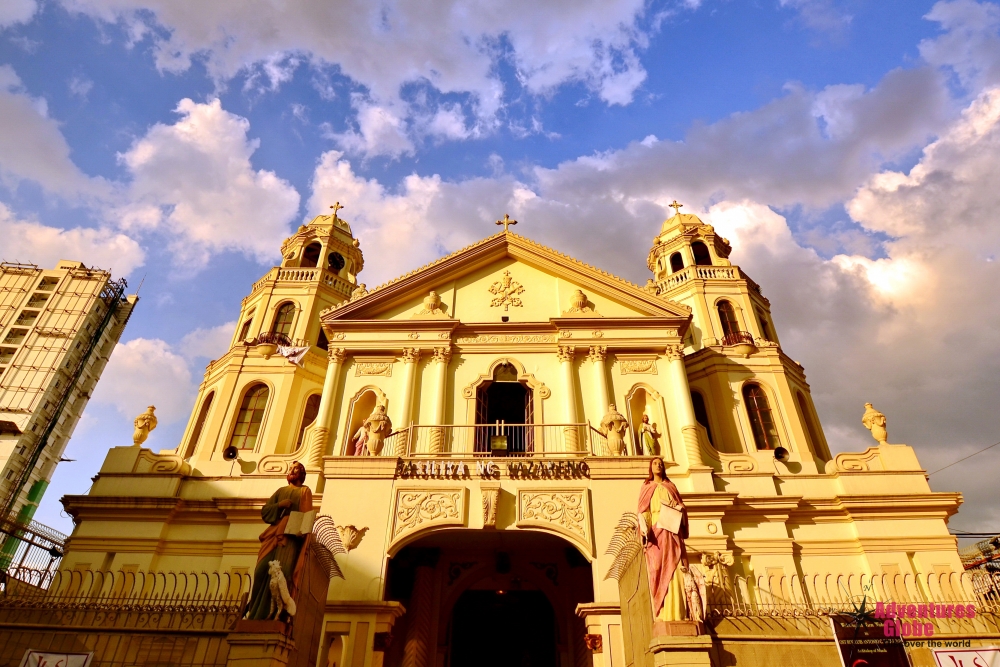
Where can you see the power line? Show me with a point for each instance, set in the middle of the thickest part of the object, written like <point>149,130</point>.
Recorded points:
<point>963,459</point>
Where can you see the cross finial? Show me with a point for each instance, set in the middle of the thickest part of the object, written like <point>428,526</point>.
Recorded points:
<point>506,222</point>
<point>677,207</point>
<point>336,207</point>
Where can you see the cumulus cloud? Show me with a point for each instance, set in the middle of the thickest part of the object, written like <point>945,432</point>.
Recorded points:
<point>970,43</point>
<point>16,11</point>
<point>454,46</point>
<point>194,180</point>
<point>207,343</point>
<point>33,242</point>
<point>31,145</point>
<point>146,372</point>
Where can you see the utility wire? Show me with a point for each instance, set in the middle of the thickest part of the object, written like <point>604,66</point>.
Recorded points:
<point>963,459</point>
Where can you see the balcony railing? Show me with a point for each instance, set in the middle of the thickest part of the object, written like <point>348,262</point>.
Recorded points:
<point>516,440</point>
<point>270,338</point>
<point>738,338</point>
<point>702,273</point>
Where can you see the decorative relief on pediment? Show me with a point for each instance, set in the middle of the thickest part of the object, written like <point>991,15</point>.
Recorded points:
<point>381,367</point>
<point>506,291</point>
<point>418,509</point>
<point>638,364</point>
<point>507,338</point>
<point>564,511</point>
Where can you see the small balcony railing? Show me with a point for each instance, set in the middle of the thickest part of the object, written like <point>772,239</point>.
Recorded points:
<point>500,439</point>
<point>738,338</point>
<point>270,338</point>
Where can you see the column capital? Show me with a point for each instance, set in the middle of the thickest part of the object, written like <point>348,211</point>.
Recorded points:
<point>336,354</point>
<point>674,353</point>
<point>565,353</point>
<point>442,354</point>
<point>598,353</point>
<point>410,355</point>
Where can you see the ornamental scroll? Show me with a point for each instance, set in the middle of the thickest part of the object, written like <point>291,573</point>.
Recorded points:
<point>564,511</point>
<point>417,509</point>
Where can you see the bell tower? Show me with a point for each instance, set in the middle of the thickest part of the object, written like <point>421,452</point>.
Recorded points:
<point>264,392</point>
<point>748,395</point>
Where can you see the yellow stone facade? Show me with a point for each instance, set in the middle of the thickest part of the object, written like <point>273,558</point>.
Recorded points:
<point>512,328</point>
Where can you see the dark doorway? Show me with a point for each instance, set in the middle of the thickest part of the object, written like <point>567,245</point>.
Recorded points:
<point>503,629</point>
<point>310,256</point>
<point>510,403</point>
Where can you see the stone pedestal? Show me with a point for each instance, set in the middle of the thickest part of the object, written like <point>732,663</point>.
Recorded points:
<point>260,644</point>
<point>681,651</point>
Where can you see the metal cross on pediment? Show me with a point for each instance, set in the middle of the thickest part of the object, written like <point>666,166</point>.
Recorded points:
<point>336,207</point>
<point>677,207</point>
<point>506,222</point>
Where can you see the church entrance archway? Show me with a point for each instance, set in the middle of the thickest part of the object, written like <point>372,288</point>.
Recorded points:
<point>483,598</point>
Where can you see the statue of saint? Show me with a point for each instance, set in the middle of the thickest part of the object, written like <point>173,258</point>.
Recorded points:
<point>647,437</point>
<point>663,524</point>
<point>276,544</point>
<point>613,427</point>
<point>144,423</point>
<point>377,427</point>
<point>874,421</point>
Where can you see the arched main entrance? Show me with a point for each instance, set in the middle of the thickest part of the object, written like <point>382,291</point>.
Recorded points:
<point>482,598</point>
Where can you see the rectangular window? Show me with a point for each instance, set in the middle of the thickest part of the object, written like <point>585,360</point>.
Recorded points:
<point>37,300</point>
<point>48,284</point>
<point>6,354</point>
<point>27,318</point>
<point>15,336</point>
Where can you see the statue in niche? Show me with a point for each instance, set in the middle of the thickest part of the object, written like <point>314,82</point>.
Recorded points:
<point>373,432</point>
<point>144,423</point>
<point>647,437</point>
<point>676,589</point>
<point>433,307</point>
<point>874,421</point>
<point>613,426</point>
<point>280,541</point>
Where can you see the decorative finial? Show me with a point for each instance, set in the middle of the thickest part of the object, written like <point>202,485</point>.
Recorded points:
<point>677,207</point>
<point>506,222</point>
<point>336,207</point>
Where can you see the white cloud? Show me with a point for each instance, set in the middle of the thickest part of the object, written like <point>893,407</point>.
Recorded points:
<point>33,242</point>
<point>16,11</point>
<point>145,372</point>
<point>207,343</point>
<point>970,44</point>
<point>80,86</point>
<point>32,147</point>
<point>194,180</point>
<point>453,46</point>
<point>381,131</point>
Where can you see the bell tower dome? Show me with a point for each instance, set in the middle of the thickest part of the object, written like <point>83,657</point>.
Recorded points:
<point>263,394</point>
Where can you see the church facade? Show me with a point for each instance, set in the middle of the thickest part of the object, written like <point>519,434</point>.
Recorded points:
<point>480,427</point>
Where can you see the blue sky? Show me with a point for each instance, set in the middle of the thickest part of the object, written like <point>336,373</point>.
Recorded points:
<point>846,147</point>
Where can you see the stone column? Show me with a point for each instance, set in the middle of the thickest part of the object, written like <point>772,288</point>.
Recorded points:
<point>417,650</point>
<point>411,356</point>
<point>442,355</point>
<point>598,354</point>
<point>572,436</point>
<point>324,416</point>
<point>685,408</point>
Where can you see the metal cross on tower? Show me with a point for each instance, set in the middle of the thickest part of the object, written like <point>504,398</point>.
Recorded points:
<point>506,222</point>
<point>336,207</point>
<point>677,207</point>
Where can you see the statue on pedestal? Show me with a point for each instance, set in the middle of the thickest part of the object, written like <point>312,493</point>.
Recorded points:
<point>613,427</point>
<point>144,423</point>
<point>371,436</point>
<point>289,511</point>
<point>874,421</point>
<point>676,589</point>
<point>647,437</point>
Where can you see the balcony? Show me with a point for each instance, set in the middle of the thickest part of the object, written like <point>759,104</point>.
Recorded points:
<point>304,275</point>
<point>569,441</point>
<point>741,342</point>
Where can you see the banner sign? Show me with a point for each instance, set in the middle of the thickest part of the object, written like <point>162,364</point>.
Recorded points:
<point>864,644</point>
<point>975,657</point>
<point>42,659</point>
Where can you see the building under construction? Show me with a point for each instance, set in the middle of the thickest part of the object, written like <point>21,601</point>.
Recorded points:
<point>58,328</point>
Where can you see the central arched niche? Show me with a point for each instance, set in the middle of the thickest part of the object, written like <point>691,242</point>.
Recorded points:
<point>505,380</point>
<point>451,581</point>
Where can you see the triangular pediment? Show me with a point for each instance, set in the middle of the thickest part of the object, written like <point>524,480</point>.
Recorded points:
<point>507,275</point>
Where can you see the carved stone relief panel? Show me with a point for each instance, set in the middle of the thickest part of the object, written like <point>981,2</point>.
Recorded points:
<point>565,511</point>
<point>420,508</point>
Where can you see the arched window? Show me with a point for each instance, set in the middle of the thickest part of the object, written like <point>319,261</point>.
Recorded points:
<point>247,426</point>
<point>765,435</point>
<point>199,425</point>
<point>701,256</point>
<point>765,330</point>
<point>308,417</point>
<point>727,317</point>
<point>283,319</point>
<point>245,329</point>
<point>676,262</point>
<point>310,256</point>
<point>701,413</point>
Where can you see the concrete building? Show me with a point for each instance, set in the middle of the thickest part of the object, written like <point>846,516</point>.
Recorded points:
<point>58,328</point>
